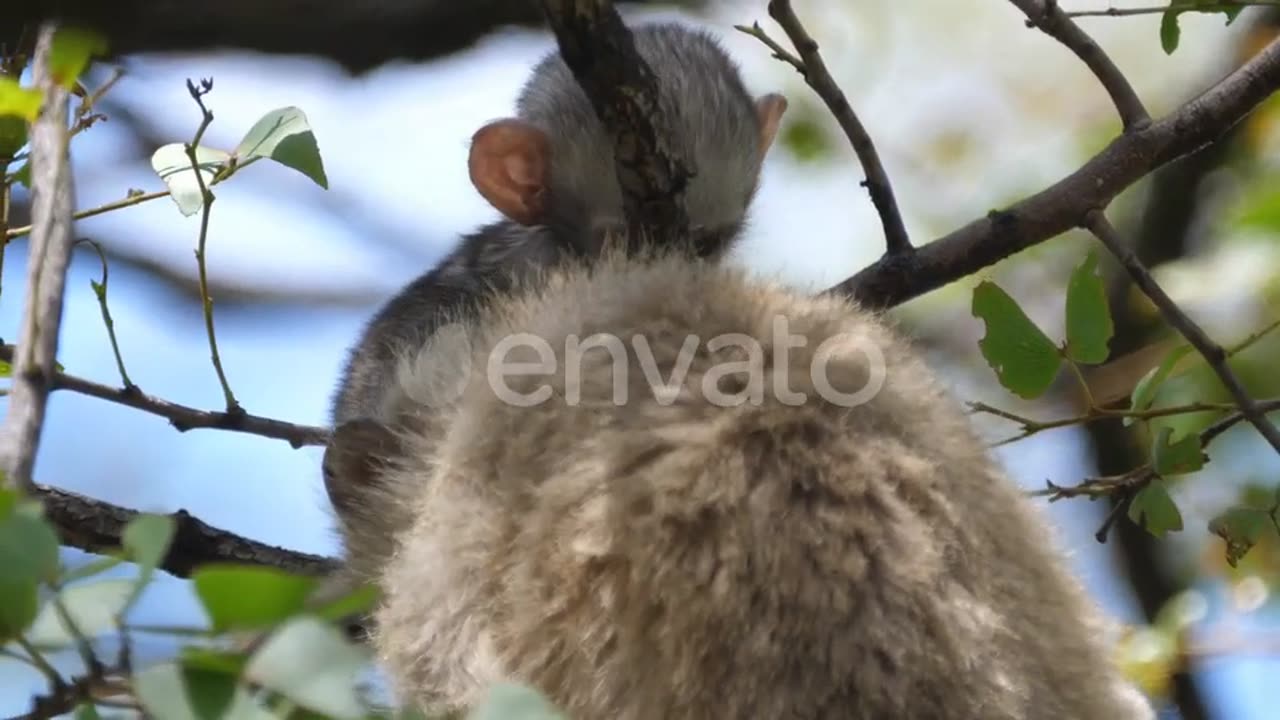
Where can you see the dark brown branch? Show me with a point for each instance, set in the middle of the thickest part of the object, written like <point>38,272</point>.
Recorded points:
<point>895,279</point>
<point>1213,353</point>
<point>48,255</point>
<point>601,52</point>
<point>185,418</point>
<point>1052,21</point>
<point>95,526</point>
<point>815,73</point>
<point>357,35</point>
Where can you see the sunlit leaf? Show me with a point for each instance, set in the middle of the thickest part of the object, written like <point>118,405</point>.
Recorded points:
<point>1241,528</point>
<point>238,596</point>
<point>71,51</point>
<point>1179,458</point>
<point>95,566</point>
<point>508,701</point>
<point>312,664</point>
<point>18,101</point>
<point>1144,393</point>
<point>1089,325</point>
<point>87,711</point>
<point>92,607</point>
<point>285,136</point>
<point>360,600</point>
<point>1154,510</point>
<point>1025,360</point>
<point>173,166</point>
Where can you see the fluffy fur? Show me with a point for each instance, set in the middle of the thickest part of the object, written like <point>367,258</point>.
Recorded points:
<point>688,560</point>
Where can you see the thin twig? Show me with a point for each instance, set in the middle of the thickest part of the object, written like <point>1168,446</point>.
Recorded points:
<point>1206,7</point>
<point>134,199</point>
<point>1052,21</point>
<point>814,71</point>
<point>49,255</point>
<point>206,204</point>
<point>100,290</point>
<point>183,417</point>
<point>1058,208</point>
<point>1213,353</point>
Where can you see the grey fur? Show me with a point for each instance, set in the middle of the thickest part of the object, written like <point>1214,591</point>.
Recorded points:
<point>687,560</point>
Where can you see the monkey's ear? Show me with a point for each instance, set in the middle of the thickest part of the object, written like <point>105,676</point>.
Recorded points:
<point>509,164</point>
<point>770,108</point>
<point>353,459</point>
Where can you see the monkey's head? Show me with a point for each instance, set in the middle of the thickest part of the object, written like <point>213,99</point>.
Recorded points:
<point>553,165</point>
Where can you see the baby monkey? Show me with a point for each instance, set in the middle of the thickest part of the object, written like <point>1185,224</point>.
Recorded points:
<point>550,172</point>
<point>793,523</point>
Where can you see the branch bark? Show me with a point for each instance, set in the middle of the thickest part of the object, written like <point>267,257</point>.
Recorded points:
<point>893,280</point>
<point>95,526</point>
<point>48,256</point>
<point>601,53</point>
<point>359,36</point>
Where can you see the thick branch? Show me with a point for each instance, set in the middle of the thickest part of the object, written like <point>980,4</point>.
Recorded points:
<point>601,52</point>
<point>48,256</point>
<point>1213,353</point>
<point>815,73</point>
<point>185,418</point>
<point>357,35</point>
<point>1062,206</point>
<point>1050,19</point>
<point>95,526</point>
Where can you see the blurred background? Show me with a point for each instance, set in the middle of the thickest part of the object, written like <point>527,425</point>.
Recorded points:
<point>970,111</point>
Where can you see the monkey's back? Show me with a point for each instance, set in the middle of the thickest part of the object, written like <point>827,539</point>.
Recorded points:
<point>685,559</point>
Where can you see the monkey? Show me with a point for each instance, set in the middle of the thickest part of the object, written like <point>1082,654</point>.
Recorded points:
<point>797,524</point>
<point>550,172</point>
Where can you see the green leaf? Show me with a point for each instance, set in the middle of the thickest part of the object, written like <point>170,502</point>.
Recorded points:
<point>28,547</point>
<point>18,101</point>
<point>246,597</point>
<point>1241,528</point>
<point>174,167</point>
<point>213,660</point>
<point>1144,393</point>
<point>19,603</point>
<point>146,541</point>
<point>87,711</point>
<point>312,664</point>
<point>283,135</point>
<point>1024,359</point>
<point>1089,326</point>
<point>94,608</point>
<point>70,52</point>
<point>1184,456</point>
<point>1170,33</point>
<point>1153,509</point>
<point>509,701</point>
<point>13,135</point>
<point>360,600</point>
<point>170,690</point>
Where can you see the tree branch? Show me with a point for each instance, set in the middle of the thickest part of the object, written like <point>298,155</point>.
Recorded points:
<point>1052,21</point>
<point>359,36</point>
<point>1213,353</point>
<point>815,74</point>
<point>49,254</point>
<point>95,526</point>
<point>182,417</point>
<point>893,280</point>
<point>601,53</point>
